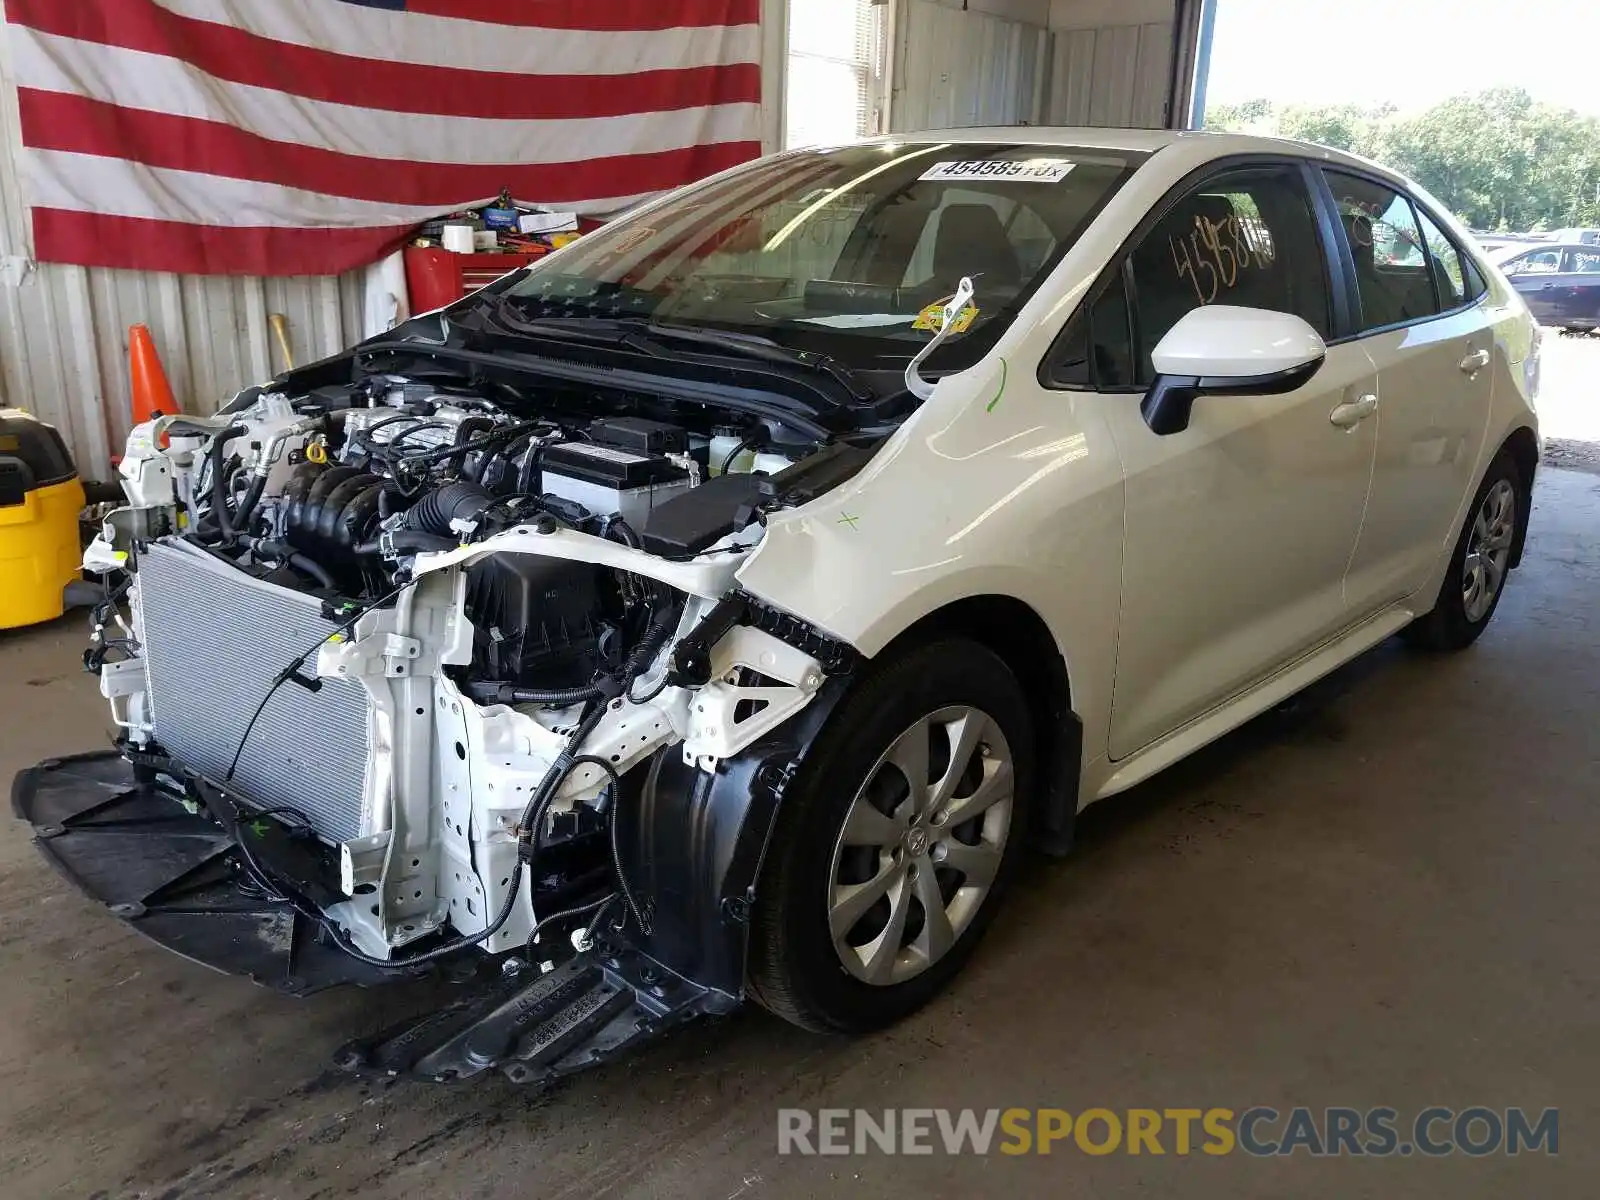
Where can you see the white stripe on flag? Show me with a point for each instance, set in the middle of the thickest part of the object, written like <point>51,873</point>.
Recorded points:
<point>171,86</point>
<point>121,188</point>
<point>475,45</point>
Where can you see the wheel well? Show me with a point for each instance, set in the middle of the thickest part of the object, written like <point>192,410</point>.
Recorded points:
<point>1523,447</point>
<point>1016,633</point>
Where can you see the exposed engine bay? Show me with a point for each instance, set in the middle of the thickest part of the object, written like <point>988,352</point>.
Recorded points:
<point>412,644</point>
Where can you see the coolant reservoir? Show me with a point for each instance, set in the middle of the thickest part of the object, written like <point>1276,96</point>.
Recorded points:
<point>725,439</point>
<point>768,463</point>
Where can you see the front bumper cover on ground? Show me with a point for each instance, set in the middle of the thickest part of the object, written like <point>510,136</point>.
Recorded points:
<point>174,876</point>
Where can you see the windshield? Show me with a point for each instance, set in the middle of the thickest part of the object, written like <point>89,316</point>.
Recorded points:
<point>852,251</point>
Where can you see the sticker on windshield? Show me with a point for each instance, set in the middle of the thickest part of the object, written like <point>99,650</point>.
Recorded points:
<point>1025,170</point>
<point>932,317</point>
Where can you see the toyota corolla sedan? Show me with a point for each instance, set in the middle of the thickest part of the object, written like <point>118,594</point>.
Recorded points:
<point>723,606</point>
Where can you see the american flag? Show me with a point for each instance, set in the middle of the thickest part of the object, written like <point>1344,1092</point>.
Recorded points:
<point>291,137</point>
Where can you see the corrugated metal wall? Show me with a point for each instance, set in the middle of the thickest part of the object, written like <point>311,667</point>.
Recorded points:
<point>63,330</point>
<point>1113,75</point>
<point>958,69</point>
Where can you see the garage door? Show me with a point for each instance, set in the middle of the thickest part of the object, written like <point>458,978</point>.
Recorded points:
<point>1045,62</point>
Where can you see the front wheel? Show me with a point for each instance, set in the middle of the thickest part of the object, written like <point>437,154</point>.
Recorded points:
<point>1476,577</point>
<point>896,842</point>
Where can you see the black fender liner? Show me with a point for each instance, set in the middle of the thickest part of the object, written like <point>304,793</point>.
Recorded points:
<point>693,843</point>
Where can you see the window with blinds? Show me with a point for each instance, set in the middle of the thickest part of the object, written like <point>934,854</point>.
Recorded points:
<point>834,89</point>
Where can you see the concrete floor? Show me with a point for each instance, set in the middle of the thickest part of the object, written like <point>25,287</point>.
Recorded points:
<point>1569,400</point>
<point>1388,894</point>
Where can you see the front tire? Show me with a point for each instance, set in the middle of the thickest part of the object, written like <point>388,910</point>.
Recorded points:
<point>1476,577</point>
<point>896,842</point>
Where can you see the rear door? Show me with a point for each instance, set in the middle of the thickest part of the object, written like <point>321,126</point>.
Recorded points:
<point>1576,298</point>
<point>1419,320</point>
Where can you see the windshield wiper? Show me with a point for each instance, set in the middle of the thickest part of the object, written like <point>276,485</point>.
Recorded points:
<point>765,350</point>
<point>637,333</point>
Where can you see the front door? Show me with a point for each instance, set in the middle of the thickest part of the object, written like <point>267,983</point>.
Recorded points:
<point>1238,529</point>
<point>1434,350</point>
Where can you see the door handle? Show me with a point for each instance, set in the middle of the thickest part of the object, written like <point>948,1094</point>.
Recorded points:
<point>1475,362</point>
<point>1348,416</point>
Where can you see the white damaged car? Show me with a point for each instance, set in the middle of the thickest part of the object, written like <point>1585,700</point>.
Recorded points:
<point>722,606</point>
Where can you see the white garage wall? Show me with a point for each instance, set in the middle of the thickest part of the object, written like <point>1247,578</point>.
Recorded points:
<point>1112,62</point>
<point>1114,75</point>
<point>1057,62</point>
<point>958,67</point>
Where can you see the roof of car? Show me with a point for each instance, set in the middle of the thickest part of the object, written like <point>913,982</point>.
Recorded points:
<point>1141,141</point>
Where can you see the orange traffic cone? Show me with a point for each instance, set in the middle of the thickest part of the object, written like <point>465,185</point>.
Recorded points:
<point>150,392</point>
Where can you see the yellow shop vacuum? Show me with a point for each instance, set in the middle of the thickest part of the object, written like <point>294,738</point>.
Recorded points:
<point>40,500</point>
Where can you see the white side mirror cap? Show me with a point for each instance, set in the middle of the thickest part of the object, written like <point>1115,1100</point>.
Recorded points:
<point>1220,341</point>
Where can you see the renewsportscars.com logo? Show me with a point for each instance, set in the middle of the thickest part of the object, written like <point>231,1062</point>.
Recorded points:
<point>1260,1132</point>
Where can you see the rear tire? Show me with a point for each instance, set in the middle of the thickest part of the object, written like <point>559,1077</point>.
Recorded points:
<point>876,891</point>
<point>1476,577</point>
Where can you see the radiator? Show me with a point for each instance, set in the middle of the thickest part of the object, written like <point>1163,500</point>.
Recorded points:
<point>214,640</point>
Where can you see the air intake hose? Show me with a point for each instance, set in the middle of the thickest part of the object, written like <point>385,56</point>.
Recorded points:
<point>437,511</point>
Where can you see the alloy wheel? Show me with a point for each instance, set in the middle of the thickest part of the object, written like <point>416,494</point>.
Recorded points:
<point>1483,571</point>
<point>921,845</point>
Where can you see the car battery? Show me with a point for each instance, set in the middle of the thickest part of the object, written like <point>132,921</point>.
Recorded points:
<point>606,480</point>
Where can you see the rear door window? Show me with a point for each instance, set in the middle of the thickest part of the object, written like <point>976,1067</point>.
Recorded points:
<point>1582,262</point>
<point>1393,266</point>
<point>1449,276</point>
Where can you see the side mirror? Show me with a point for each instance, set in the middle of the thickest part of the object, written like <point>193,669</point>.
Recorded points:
<point>1222,350</point>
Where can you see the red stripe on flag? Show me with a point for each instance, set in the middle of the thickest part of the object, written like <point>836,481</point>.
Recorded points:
<point>230,53</point>
<point>139,244</point>
<point>77,124</point>
<point>607,15</point>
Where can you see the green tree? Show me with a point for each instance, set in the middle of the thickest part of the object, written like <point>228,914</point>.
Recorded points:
<point>1498,159</point>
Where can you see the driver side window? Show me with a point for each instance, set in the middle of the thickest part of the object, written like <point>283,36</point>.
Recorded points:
<point>1246,238</point>
<point>1540,262</point>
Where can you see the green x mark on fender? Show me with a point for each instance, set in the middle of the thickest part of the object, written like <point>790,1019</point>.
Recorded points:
<point>847,519</point>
